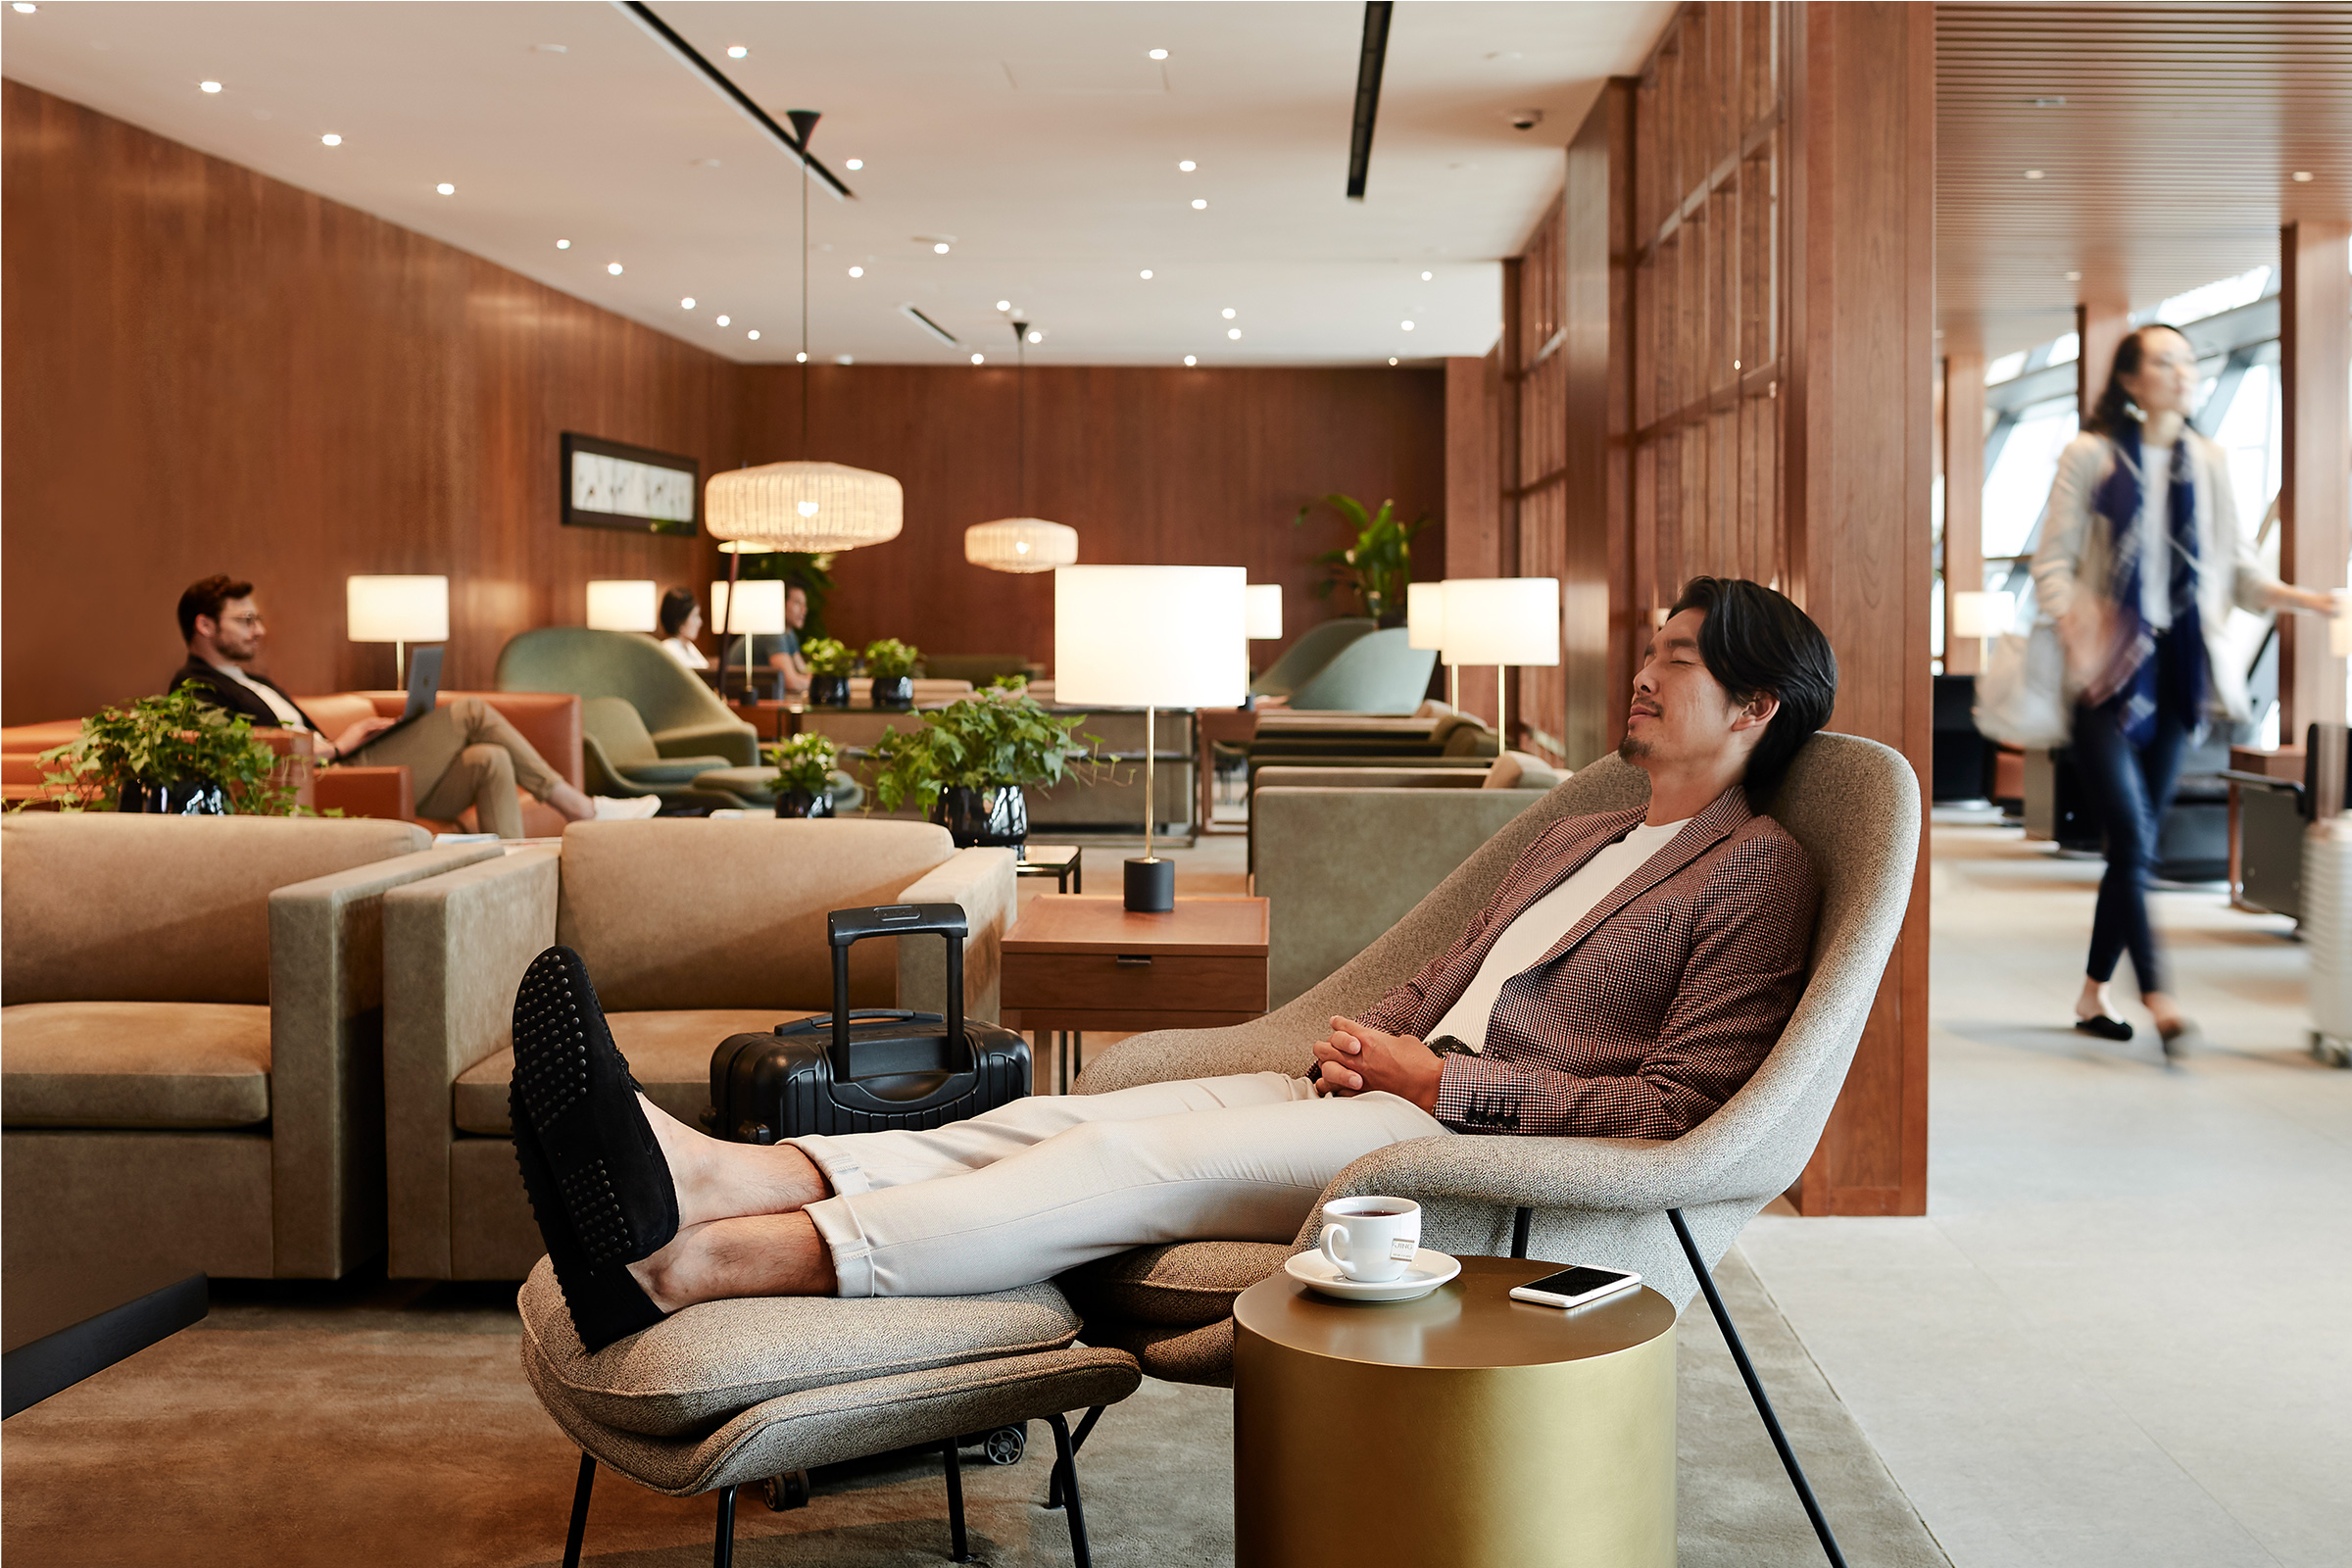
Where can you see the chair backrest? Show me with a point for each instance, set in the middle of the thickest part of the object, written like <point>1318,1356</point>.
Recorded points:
<point>614,724</point>
<point>1380,672</point>
<point>1317,647</point>
<point>612,664</point>
<point>686,913</point>
<point>120,906</point>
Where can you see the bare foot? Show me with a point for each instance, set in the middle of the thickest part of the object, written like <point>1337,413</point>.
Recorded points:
<point>570,805</point>
<point>2098,1000</point>
<point>2164,1010</point>
<point>765,1254</point>
<point>717,1181</point>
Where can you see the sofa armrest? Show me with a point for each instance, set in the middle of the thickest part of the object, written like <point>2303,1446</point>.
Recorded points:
<point>733,740</point>
<point>385,792</point>
<point>460,945</point>
<point>327,987</point>
<point>985,883</point>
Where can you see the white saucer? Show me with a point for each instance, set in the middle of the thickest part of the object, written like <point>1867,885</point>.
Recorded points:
<point>1429,1272</point>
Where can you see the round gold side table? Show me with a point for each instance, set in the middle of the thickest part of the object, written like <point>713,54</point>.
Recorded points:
<point>1458,1431</point>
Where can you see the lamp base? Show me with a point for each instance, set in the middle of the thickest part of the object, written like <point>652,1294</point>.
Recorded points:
<point>1150,886</point>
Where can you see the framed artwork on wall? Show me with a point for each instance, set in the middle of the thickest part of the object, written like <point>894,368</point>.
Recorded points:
<point>611,484</point>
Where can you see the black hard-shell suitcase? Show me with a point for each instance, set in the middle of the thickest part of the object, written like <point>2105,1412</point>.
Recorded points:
<point>874,1070</point>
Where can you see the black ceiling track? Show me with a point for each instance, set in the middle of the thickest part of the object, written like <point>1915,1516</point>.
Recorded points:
<point>643,16</point>
<point>1367,94</point>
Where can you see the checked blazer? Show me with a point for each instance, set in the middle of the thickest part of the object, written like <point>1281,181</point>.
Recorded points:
<point>1653,1008</point>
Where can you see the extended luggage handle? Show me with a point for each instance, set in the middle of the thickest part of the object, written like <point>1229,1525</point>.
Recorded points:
<point>846,926</point>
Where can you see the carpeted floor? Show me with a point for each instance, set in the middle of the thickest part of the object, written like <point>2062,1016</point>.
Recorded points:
<point>366,1424</point>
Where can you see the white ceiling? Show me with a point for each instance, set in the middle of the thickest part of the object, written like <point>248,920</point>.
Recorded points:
<point>1040,137</point>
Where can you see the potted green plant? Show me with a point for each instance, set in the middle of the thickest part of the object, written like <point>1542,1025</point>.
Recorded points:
<point>175,753</point>
<point>804,774</point>
<point>891,663</point>
<point>968,764</point>
<point>829,664</point>
<point>1378,566</point>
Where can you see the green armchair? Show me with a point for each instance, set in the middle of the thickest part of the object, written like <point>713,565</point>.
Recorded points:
<point>1379,673</point>
<point>1317,647</point>
<point>620,757</point>
<point>683,718</point>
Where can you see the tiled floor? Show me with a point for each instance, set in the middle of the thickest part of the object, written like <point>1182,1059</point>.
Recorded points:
<point>2122,1333</point>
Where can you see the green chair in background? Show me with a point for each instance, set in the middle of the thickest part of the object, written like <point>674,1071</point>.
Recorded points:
<point>1317,647</point>
<point>1376,673</point>
<point>680,715</point>
<point>620,756</point>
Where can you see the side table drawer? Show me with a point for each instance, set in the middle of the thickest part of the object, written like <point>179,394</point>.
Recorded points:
<point>1135,983</point>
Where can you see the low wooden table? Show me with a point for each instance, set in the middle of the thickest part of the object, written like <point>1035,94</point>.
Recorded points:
<point>1079,961</point>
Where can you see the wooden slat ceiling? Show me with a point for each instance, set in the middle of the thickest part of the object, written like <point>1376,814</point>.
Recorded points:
<point>2168,162</point>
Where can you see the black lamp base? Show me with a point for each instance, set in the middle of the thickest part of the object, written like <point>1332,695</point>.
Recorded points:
<point>1150,886</point>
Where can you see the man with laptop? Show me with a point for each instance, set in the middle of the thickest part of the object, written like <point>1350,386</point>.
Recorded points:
<point>460,755</point>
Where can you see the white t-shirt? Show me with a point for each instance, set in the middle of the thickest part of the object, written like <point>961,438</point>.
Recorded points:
<point>1544,922</point>
<point>685,653</point>
<point>2156,536</point>
<point>287,714</point>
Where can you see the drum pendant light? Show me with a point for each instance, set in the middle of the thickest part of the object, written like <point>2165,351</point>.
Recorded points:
<point>803,505</point>
<point>1021,545</point>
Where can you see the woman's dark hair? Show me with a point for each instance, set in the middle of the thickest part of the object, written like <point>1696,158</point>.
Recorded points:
<point>676,605</point>
<point>2108,415</point>
<point>1755,641</point>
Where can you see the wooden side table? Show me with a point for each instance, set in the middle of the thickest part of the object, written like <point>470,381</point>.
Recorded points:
<point>1500,1432</point>
<point>1079,961</point>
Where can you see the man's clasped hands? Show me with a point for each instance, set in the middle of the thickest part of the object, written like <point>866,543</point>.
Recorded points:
<point>1356,1059</point>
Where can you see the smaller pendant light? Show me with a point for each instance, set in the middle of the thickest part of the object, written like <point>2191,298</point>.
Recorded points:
<point>1021,545</point>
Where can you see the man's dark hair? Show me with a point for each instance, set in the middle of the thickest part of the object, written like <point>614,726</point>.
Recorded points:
<point>206,598</point>
<point>1756,640</point>
<point>676,605</point>
<point>2112,412</point>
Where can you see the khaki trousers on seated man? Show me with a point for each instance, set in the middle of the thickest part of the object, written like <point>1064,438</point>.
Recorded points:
<point>1632,970</point>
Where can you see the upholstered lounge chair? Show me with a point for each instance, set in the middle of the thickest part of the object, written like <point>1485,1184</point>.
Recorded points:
<point>1317,647</point>
<point>685,717</point>
<point>191,1078</point>
<point>694,931</point>
<point>1380,672</point>
<point>622,759</point>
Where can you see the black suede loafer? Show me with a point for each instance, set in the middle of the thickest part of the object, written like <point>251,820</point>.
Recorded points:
<point>2105,1027</point>
<point>606,1303</point>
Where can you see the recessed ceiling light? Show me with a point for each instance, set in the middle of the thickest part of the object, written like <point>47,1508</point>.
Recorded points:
<point>1426,276</point>
<point>2074,278</point>
<point>1189,358</point>
<point>2033,173</point>
<point>209,86</point>
<point>563,244</point>
<point>752,334</point>
<point>1229,312</point>
<point>1037,338</point>
<point>446,189</point>
<point>2302,176</point>
<point>613,268</point>
<point>979,358</point>
<point>550,49</point>
<point>23,8</point>
<point>1199,203</point>
<point>331,139</point>
<point>1144,274</point>
<point>736,51</point>
<point>1407,326</point>
<point>855,164</point>
<point>725,322</point>
<point>1186,164</point>
<point>686,304</point>
<point>845,359</point>
<point>1003,305</point>
<point>940,249</point>
<point>1392,359</point>
<point>1159,54</point>
<point>856,271</point>
<point>1233,331</point>
<point>801,357</point>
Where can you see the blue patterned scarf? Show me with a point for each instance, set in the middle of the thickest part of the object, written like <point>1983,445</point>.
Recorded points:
<point>2130,674</point>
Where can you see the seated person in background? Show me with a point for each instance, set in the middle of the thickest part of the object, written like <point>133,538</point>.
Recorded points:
<point>1632,970</point>
<point>682,625</point>
<point>461,753</point>
<point>779,651</point>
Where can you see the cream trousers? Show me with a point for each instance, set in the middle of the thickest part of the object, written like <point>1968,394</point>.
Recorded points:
<point>1023,1191</point>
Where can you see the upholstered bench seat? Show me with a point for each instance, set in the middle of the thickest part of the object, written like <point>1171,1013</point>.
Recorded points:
<point>669,1052</point>
<point>136,1064</point>
<point>1181,1285</point>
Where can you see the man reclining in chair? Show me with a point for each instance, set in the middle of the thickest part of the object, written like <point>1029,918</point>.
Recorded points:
<point>1630,974</point>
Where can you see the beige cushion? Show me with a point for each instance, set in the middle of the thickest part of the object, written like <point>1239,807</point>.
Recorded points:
<point>1184,1284</point>
<point>1503,773</point>
<point>669,1054</point>
<point>1523,770</point>
<point>1201,1355</point>
<point>703,1364</point>
<point>134,1064</point>
<point>699,914</point>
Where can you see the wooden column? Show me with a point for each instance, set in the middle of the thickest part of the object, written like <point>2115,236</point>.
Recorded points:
<point>1474,500</point>
<point>2314,348</point>
<point>1859,453</point>
<point>1963,499</point>
<point>1596,586</point>
<point>2099,329</point>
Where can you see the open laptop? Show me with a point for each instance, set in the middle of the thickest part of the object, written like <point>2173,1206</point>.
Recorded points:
<point>424,690</point>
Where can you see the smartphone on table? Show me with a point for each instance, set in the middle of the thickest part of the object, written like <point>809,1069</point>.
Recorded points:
<point>1574,1286</point>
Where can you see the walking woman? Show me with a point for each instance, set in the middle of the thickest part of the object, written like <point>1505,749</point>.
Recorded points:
<point>2141,561</point>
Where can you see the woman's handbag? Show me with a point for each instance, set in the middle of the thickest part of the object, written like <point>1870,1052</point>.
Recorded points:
<point>2021,698</point>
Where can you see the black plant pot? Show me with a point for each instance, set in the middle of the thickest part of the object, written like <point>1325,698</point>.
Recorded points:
<point>894,691</point>
<point>804,802</point>
<point>185,797</point>
<point>989,818</point>
<point>828,691</point>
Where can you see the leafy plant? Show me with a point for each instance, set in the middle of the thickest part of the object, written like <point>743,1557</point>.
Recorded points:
<point>987,741</point>
<point>828,655</point>
<point>887,659</point>
<point>175,739</point>
<point>1379,565</point>
<point>812,574</point>
<point>803,762</point>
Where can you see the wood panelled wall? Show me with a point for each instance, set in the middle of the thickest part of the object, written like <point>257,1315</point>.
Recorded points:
<point>209,371</point>
<point>1736,289</point>
<point>1179,467</point>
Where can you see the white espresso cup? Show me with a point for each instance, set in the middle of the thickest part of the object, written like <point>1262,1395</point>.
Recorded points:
<point>1372,1239</point>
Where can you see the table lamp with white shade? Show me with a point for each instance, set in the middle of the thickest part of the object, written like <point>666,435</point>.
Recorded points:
<point>1425,630</point>
<point>1979,615</point>
<point>753,609</point>
<point>624,604</point>
<point>1501,622</point>
<point>399,610</point>
<point>1151,637</point>
<point>1264,612</point>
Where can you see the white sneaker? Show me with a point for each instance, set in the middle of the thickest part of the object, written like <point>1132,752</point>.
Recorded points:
<point>635,809</point>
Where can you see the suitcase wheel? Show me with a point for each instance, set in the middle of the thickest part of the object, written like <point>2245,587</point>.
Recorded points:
<point>786,1492</point>
<point>1005,1444</point>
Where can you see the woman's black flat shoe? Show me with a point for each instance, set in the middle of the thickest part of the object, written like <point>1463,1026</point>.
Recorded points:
<point>2104,1027</point>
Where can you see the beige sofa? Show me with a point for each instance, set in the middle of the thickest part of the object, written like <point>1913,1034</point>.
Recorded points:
<point>692,930</point>
<point>189,1038</point>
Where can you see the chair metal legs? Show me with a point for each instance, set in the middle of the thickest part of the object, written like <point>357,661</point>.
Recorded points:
<point>1065,1468</point>
<point>722,1548</point>
<point>1755,1389</point>
<point>1077,1442</point>
<point>959,1550</point>
<point>579,1512</point>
